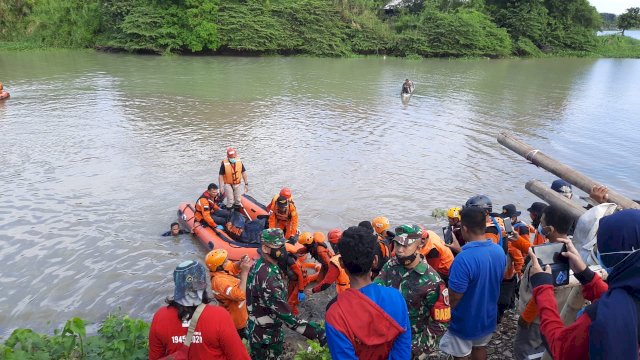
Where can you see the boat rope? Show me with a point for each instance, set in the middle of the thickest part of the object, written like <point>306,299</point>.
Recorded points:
<point>531,154</point>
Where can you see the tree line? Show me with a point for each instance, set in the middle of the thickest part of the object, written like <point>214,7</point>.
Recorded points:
<point>428,28</point>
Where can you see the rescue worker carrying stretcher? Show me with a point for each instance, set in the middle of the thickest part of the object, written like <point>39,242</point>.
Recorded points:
<point>208,213</point>
<point>283,214</point>
<point>228,289</point>
<point>335,272</point>
<point>315,245</point>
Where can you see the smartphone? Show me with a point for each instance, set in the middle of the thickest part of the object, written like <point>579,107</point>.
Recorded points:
<point>448,241</point>
<point>550,253</point>
<point>508,227</point>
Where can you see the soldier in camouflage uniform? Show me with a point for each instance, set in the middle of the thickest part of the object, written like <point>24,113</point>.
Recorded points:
<point>267,302</point>
<point>422,288</point>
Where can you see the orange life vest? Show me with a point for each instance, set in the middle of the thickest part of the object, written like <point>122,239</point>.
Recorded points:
<point>232,172</point>
<point>443,262</point>
<point>285,215</point>
<point>342,282</point>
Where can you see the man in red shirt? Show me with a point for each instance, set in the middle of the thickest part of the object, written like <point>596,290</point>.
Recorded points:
<point>215,335</point>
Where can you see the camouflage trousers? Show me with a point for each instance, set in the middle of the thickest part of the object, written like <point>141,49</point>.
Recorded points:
<point>265,343</point>
<point>260,351</point>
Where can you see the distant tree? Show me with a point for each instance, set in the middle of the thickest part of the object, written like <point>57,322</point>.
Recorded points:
<point>629,20</point>
<point>608,21</point>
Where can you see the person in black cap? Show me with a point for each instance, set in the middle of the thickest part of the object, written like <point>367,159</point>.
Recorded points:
<point>562,187</point>
<point>535,212</point>
<point>510,211</point>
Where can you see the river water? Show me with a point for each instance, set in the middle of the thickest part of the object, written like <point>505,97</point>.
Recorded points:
<point>99,149</point>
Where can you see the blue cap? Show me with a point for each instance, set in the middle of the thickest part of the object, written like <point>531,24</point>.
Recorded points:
<point>561,186</point>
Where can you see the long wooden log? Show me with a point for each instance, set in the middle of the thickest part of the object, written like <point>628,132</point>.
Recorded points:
<point>565,172</point>
<point>551,197</point>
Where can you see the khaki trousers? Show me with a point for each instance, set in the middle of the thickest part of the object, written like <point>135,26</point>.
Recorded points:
<point>232,194</point>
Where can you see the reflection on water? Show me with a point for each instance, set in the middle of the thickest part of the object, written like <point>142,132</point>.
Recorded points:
<point>99,149</point>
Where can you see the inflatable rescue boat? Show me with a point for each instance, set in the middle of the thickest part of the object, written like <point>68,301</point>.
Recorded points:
<point>213,238</point>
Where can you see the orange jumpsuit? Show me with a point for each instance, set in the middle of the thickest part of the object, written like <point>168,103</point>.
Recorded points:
<point>226,289</point>
<point>204,207</point>
<point>285,219</point>
<point>336,273</point>
<point>441,262</point>
<point>323,255</point>
<point>526,240</point>
<point>515,260</point>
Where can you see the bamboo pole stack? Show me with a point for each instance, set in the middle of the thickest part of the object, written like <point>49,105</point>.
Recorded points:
<point>555,167</point>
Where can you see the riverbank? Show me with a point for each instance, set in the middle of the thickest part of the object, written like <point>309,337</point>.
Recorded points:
<point>607,46</point>
<point>305,27</point>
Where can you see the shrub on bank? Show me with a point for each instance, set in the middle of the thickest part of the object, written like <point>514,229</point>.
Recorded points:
<point>119,337</point>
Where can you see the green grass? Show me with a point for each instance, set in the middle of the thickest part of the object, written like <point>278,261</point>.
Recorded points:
<point>20,46</point>
<point>616,46</point>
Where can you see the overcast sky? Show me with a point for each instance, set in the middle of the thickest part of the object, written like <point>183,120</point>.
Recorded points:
<point>614,6</point>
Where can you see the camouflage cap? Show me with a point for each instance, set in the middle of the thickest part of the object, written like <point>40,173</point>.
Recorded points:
<point>273,237</point>
<point>407,234</point>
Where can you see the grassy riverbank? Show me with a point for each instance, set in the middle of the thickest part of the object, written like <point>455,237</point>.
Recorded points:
<point>616,46</point>
<point>334,28</point>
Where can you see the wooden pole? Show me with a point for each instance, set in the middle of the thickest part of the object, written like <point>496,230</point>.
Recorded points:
<point>545,193</point>
<point>577,179</point>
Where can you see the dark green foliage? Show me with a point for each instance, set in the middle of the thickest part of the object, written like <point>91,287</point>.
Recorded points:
<point>465,32</point>
<point>161,26</point>
<point>252,27</point>
<point>119,337</point>
<point>56,23</point>
<point>629,20</point>
<point>491,28</point>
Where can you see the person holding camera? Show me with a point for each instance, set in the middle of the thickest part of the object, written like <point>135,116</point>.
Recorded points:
<point>608,328</point>
<point>555,224</point>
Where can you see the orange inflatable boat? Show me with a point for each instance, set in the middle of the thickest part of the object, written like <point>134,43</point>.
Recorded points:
<point>4,95</point>
<point>218,239</point>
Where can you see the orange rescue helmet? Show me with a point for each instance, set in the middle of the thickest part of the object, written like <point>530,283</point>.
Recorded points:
<point>1,87</point>
<point>334,235</point>
<point>231,153</point>
<point>215,258</point>
<point>454,213</point>
<point>285,192</point>
<point>306,238</point>
<point>318,237</point>
<point>380,224</point>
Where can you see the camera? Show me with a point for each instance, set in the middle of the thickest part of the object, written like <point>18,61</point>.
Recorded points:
<point>551,254</point>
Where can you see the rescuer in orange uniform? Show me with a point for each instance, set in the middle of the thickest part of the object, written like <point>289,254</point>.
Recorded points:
<point>437,254</point>
<point>297,283</point>
<point>315,245</point>
<point>283,214</point>
<point>379,225</point>
<point>335,273</point>
<point>232,173</point>
<point>208,212</point>
<point>229,290</point>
